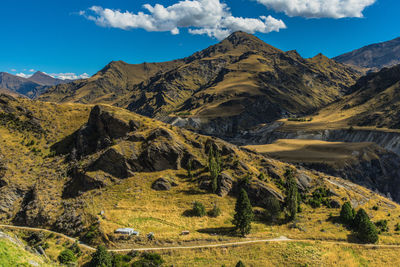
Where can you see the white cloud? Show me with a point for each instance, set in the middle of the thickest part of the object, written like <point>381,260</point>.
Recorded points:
<point>13,70</point>
<point>62,76</point>
<point>209,17</point>
<point>69,76</point>
<point>319,8</point>
<point>23,75</point>
<point>31,70</point>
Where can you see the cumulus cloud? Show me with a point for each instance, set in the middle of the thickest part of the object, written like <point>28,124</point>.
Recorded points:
<point>23,75</point>
<point>209,17</point>
<point>319,8</point>
<point>69,76</point>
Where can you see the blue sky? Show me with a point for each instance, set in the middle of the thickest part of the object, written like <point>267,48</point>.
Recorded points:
<point>67,37</point>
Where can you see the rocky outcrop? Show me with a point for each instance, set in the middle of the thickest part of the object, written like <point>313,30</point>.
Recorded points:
<point>225,184</point>
<point>163,184</point>
<point>114,163</point>
<point>98,133</point>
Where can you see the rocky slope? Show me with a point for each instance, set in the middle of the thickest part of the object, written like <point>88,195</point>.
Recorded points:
<point>86,171</point>
<point>366,164</point>
<point>374,56</point>
<point>233,85</point>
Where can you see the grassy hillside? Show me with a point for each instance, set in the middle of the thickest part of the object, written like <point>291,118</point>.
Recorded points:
<point>86,171</point>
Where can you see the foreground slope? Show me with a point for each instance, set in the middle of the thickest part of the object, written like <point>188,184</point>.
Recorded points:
<point>86,171</point>
<point>230,86</point>
<point>374,56</point>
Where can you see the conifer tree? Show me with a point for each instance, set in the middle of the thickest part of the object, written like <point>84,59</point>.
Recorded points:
<point>291,201</point>
<point>244,214</point>
<point>347,214</point>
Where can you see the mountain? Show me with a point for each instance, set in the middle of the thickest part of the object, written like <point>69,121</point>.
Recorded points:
<point>231,86</point>
<point>374,101</point>
<point>374,56</point>
<point>30,87</point>
<point>44,79</point>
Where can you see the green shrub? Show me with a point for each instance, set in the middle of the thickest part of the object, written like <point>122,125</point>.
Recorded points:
<point>149,259</point>
<point>101,258</point>
<point>66,256</point>
<point>382,226</point>
<point>198,209</point>
<point>397,227</point>
<point>215,212</point>
<point>240,264</point>
<point>121,260</point>
<point>375,208</point>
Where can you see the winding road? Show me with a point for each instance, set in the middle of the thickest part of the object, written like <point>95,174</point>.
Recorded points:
<point>231,244</point>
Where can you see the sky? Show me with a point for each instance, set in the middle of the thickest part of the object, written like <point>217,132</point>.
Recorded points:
<point>77,38</point>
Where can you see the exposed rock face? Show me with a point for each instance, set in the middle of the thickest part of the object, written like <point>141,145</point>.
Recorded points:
<point>97,134</point>
<point>113,163</point>
<point>258,193</point>
<point>226,184</point>
<point>163,184</point>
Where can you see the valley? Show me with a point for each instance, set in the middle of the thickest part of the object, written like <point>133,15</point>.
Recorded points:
<point>167,150</point>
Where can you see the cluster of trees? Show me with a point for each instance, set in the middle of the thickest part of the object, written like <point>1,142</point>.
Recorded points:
<point>360,223</point>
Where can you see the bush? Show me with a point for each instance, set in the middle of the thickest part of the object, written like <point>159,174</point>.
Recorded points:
<point>215,212</point>
<point>66,256</point>
<point>240,264</point>
<point>320,196</point>
<point>397,227</point>
<point>120,260</point>
<point>382,226</point>
<point>149,259</point>
<point>198,209</point>
<point>346,214</point>
<point>76,249</point>
<point>101,258</point>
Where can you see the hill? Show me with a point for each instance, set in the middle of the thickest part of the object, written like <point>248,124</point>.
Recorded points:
<point>88,170</point>
<point>233,85</point>
<point>30,87</point>
<point>374,56</point>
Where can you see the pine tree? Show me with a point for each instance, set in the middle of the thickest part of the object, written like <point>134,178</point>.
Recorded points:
<point>101,258</point>
<point>244,214</point>
<point>347,214</point>
<point>291,201</point>
<point>366,230</point>
<point>214,166</point>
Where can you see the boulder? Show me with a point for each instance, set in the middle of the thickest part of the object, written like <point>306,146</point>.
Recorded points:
<point>114,163</point>
<point>259,192</point>
<point>303,181</point>
<point>226,184</point>
<point>163,184</point>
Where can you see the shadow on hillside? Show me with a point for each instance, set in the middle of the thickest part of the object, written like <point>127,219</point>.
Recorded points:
<point>224,231</point>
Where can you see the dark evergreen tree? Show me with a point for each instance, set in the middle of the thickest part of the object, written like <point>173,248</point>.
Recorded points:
<point>244,214</point>
<point>214,166</point>
<point>272,208</point>
<point>347,214</point>
<point>366,230</point>
<point>291,201</point>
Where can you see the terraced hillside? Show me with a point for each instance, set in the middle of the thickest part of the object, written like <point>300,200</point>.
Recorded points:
<point>230,86</point>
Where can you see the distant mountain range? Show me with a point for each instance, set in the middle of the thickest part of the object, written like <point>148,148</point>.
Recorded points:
<point>233,85</point>
<point>374,56</point>
<point>30,87</point>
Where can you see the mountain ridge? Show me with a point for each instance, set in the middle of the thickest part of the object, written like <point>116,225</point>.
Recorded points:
<point>374,56</point>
